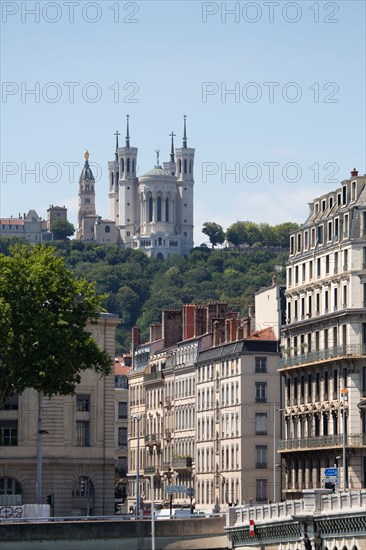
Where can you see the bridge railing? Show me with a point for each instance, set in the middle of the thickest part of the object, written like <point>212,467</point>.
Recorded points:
<point>240,515</point>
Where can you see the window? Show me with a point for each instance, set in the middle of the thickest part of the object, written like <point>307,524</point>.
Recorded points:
<point>122,466</point>
<point>261,424</point>
<point>107,229</point>
<point>8,433</point>
<point>9,486</point>
<point>11,404</point>
<point>261,364</point>
<point>261,490</point>
<point>83,402</point>
<point>82,434</point>
<point>320,234</point>
<point>122,409</point>
<point>122,437</point>
<point>261,456</point>
<point>261,392</point>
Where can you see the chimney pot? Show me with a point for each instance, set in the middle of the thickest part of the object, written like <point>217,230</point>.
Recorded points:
<point>354,173</point>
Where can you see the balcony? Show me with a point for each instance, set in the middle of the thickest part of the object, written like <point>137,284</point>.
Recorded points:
<point>182,463</point>
<point>152,439</point>
<point>153,376</point>
<point>341,352</point>
<point>322,442</point>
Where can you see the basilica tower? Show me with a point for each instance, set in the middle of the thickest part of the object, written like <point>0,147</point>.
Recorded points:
<point>86,202</point>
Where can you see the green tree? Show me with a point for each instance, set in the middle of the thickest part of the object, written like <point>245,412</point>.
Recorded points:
<point>214,232</point>
<point>236,233</point>
<point>44,312</point>
<point>62,229</point>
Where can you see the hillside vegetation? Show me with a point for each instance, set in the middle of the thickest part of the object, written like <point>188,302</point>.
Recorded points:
<point>137,287</point>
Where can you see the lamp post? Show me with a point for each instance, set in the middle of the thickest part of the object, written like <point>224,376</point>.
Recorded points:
<point>275,452</point>
<point>344,395</point>
<point>137,418</point>
<point>40,433</point>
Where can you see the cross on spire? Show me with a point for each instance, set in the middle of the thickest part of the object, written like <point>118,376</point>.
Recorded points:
<point>172,135</point>
<point>116,133</point>
<point>185,133</point>
<point>128,132</point>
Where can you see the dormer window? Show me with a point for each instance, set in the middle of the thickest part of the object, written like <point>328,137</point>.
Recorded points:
<point>324,203</point>
<point>344,195</point>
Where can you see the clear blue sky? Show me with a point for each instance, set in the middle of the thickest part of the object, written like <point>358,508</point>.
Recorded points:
<point>174,58</point>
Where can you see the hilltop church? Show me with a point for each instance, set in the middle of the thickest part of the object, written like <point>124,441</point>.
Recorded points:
<point>153,212</point>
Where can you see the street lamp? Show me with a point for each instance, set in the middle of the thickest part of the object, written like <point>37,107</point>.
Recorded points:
<point>40,433</point>
<point>344,398</point>
<point>137,418</point>
<point>275,452</point>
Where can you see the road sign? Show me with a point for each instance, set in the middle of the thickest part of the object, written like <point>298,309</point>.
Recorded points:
<point>190,491</point>
<point>331,472</point>
<point>176,489</point>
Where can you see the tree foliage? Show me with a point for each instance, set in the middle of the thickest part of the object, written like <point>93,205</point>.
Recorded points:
<point>44,310</point>
<point>215,233</point>
<point>62,229</point>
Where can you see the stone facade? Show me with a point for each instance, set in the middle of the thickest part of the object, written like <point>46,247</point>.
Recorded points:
<point>78,442</point>
<point>204,390</point>
<point>153,212</point>
<point>324,343</point>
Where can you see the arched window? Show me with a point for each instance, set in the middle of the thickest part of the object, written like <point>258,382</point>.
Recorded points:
<point>179,166</point>
<point>160,256</point>
<point>190,166</point>
<point>150,210</point>
<point>185,166</point>
<point>133,166</point>
<point>158,209</point>
<point>128,166</point>
<point>160,241</point>
<point>112,179</point>
<point>107,229</point>
<point>117,177</point>
<point>9,487</point>
<point>122,165</point>
<point>166,209</point>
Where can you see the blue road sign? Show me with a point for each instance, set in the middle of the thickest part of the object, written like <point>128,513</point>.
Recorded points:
<point>331,472</point>
<point>176,489</point>
<point>190,491</point>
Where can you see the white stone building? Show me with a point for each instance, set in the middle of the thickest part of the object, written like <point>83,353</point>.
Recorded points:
<point>324,342</point>
<point>153,212</point>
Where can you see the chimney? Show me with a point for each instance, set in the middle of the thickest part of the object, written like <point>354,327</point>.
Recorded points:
<point>251,314</point>
<point>155,332</point>
<point>200,320</point>
<point>246,325</point>
<point>135,337</point>
<point>188,321</point>
<point>218,329</point>
<point>172,326</point>
<point>354,173</point>
<point>231,327</point>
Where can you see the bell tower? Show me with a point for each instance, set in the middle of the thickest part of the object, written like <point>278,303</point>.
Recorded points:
<point>185,181</point>
<point>86,195</point>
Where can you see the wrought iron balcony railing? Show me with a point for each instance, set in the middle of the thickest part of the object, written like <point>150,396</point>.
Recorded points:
<point>325,441</point>
<point>352,350</point>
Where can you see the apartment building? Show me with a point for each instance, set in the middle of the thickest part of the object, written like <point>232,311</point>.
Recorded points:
<point>202,391</point>
<point>78,452</point>
<point>324,342</point>
<point>121,369</point>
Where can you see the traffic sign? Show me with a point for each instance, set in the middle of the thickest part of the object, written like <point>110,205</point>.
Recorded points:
<point>190,491</point>
<point>331,472</point>
<point>176,489</point>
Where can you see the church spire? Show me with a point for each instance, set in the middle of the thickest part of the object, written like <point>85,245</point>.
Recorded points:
<point>128,132</point>
<point>117,134</point>
<point>185,133</point>
<point>172,148</point>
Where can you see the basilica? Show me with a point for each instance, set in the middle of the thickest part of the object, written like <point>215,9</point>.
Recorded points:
<point>152,212</point>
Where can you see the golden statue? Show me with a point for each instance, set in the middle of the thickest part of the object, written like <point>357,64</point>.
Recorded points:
<point>86,154</point>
